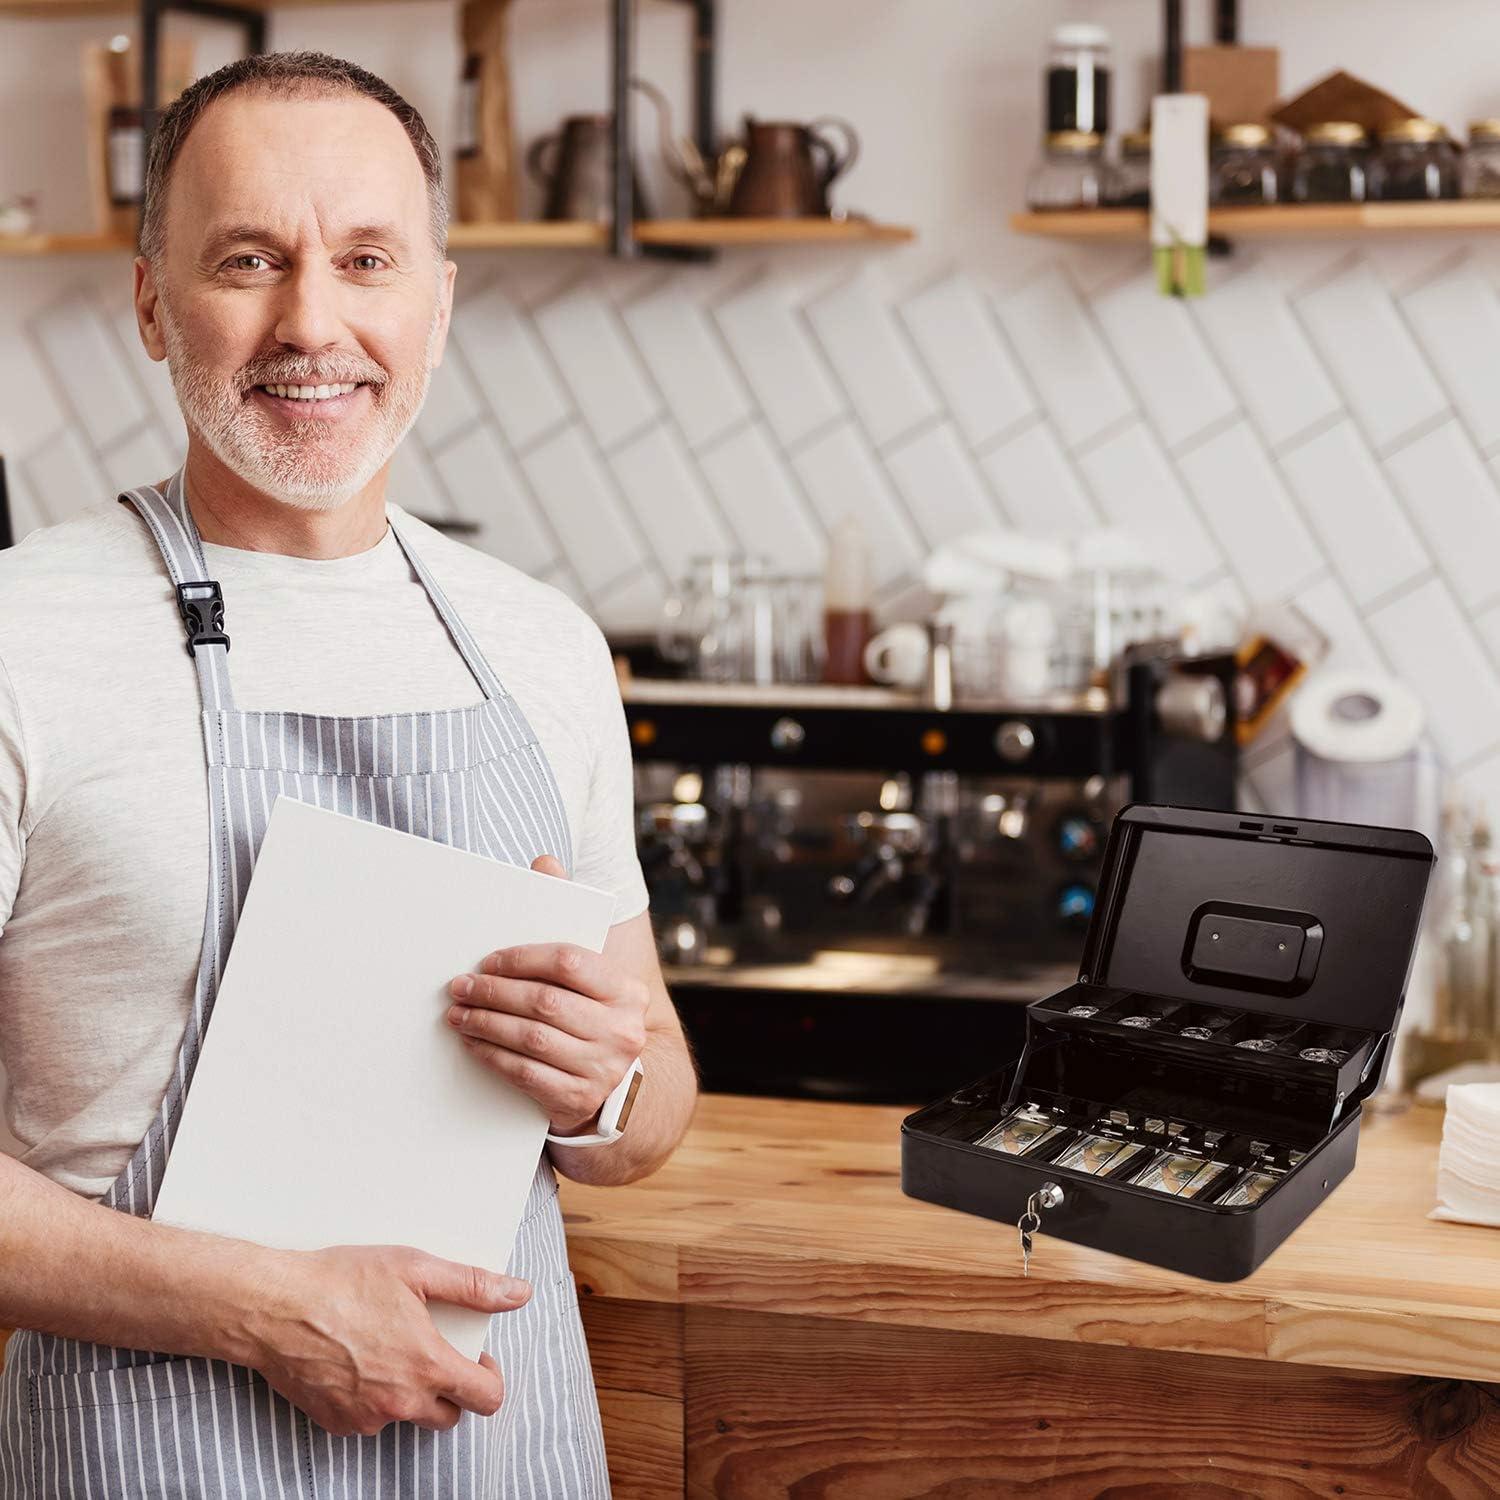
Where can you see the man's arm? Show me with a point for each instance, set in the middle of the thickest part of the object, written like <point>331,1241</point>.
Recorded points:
<point>84,1271</point>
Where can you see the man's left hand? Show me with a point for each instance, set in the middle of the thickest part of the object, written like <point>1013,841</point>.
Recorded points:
<point>559,1022</point>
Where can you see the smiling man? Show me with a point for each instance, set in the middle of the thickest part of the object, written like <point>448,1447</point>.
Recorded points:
<point>293,275</point>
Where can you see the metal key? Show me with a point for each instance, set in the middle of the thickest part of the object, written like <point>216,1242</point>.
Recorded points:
<point>1049,1195</point>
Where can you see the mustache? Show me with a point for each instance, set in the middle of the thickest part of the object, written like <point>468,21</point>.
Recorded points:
<point>310,369</point>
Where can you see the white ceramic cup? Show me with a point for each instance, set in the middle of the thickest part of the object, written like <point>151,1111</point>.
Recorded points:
<point>898,656</point>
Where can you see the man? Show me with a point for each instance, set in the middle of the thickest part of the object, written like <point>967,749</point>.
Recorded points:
<point>293,276</point>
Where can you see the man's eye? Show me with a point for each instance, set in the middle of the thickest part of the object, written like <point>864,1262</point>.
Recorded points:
<point>367,263</point>
<point>248,262</point>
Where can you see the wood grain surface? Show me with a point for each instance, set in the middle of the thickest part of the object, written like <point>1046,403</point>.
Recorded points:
<point>795,1208</point>
<point>800,1406</point>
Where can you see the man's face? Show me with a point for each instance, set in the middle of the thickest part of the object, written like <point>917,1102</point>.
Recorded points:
<point>301,305</point>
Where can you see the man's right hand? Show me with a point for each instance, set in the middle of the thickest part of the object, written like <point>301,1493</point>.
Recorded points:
<point>345,1335</point>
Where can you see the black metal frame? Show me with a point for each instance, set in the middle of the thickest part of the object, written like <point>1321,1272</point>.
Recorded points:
<point>1226,34</point>
<point>152,11</point>
<point>622,241</point>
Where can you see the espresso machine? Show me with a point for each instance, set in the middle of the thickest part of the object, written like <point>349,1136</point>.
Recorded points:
<point>855,892</point>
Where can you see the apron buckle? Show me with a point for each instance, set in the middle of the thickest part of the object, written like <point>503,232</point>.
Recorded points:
<point>201,606</point>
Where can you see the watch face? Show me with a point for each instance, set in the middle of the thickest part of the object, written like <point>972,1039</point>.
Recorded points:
<point>629,1104</point>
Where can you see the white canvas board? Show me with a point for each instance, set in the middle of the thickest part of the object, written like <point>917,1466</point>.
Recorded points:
<point>332,1103</point>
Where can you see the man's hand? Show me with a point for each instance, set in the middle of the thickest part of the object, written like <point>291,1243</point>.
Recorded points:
<point>346,1336</point>
<point>559,1022</point>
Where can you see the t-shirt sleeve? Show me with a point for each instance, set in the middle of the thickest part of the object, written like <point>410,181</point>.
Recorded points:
<point>604,848</point>
<point>12,797</point>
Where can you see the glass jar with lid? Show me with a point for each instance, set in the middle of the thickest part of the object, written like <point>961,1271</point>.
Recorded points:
<point>1243,166</point>
<point>1331,166</point>
<point>1479,173</point>
<point>1416,161</point>
<point>1072,172</point>
<point>1078,79</point>
<point>1132,180</point>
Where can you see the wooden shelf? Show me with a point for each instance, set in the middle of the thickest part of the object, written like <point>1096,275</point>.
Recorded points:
<point>769,232</point>
<point>1281,219</point>
<point>65,244</point>
<point>527,236</point>
<point>544,236</point>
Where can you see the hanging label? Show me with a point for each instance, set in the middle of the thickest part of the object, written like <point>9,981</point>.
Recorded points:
<point>1179,191</point>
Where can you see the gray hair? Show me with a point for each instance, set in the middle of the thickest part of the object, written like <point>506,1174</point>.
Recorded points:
<point>287,75</point>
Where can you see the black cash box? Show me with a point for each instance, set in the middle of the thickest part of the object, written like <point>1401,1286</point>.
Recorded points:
<point>1197,1093</point>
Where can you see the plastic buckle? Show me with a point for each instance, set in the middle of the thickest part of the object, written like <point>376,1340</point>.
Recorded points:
<point>201,606</point>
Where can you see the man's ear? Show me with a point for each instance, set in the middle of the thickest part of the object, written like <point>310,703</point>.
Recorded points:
<point>444,314</point>
<point>148,309</point>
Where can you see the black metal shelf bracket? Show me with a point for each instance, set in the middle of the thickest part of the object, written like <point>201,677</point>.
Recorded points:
<point>622,241</point>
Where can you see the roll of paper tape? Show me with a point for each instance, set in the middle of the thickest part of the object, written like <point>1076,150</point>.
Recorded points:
<point>1356,716</point>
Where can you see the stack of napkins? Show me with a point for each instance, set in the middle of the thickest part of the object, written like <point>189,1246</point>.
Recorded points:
<point>1468,1179</point>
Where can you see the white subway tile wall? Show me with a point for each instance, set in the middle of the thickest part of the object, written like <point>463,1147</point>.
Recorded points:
<point>1324,425</point>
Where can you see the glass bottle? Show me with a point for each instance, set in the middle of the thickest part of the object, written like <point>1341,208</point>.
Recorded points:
<point>1243,166</point>
<point>1416,161</point>
<point>1479,173</point>
<point>1072,172</point>
<point>1132,179</point>
<point>1461,1022</point>
<point>1331,168</point>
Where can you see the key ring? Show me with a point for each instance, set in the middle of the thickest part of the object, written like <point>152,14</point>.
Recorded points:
<point>1049,1195</point>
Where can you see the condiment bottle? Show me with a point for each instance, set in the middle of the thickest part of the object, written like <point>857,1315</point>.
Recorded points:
<point>847,622</point>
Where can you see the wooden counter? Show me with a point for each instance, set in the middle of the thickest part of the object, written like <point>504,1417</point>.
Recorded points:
<point>771,1314</point>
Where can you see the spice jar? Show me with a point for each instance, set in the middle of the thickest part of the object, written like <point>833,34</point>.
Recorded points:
<point>1072,172</point>
<point>1132,179</point>
<point>1416,161</point>
<point>1330,168</point>
<point>1078,79</point>
<point>1243,167</point>
<point>1479,174</point>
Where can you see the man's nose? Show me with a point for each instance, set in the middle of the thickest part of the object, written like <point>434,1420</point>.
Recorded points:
<point>307,315</point>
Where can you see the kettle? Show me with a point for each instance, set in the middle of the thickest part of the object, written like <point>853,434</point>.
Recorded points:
<point>779,170</point>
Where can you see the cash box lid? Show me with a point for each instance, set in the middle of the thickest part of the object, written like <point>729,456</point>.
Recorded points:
<point>1298,918</point>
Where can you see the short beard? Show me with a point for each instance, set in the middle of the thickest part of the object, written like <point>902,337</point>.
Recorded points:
<point>291,464</point>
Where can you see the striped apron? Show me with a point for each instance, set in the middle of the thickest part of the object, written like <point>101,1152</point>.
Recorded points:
<point>79,1419</point>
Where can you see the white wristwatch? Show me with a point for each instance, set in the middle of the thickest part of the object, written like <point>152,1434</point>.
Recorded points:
<point>613,1113</point>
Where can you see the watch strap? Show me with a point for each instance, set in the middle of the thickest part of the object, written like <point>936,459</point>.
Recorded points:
<point>613,1113</point>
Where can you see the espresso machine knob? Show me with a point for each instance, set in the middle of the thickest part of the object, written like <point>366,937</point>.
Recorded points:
<point>1015,740</point>
<point>787,734</point>
<point>1192,706</point>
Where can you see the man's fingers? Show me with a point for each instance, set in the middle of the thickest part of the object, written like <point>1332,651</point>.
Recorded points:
<point>557,1008</point>
<point>469,1286</point>
<point>547,1044</point>
<point>564,966</point>
<point>559,1093</point>
<point>474,1386</point>
<point>544,864</point>
<point>488,1361</point>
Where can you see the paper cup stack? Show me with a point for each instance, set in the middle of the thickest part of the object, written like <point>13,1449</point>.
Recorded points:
<point>1468,1179</point>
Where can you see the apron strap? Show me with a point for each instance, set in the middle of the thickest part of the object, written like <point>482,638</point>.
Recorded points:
<point>199,600</point>
<point>468,647</point>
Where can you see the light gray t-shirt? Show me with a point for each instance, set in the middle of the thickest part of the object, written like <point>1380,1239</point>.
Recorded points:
<point>104,794</point>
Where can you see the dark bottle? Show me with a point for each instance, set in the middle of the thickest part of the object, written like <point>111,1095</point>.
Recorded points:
<point>126,154</point>
<point>1078,80</point>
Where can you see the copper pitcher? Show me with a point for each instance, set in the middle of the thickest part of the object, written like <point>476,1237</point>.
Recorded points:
<point>789,168</point>
<point>573,165</point>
